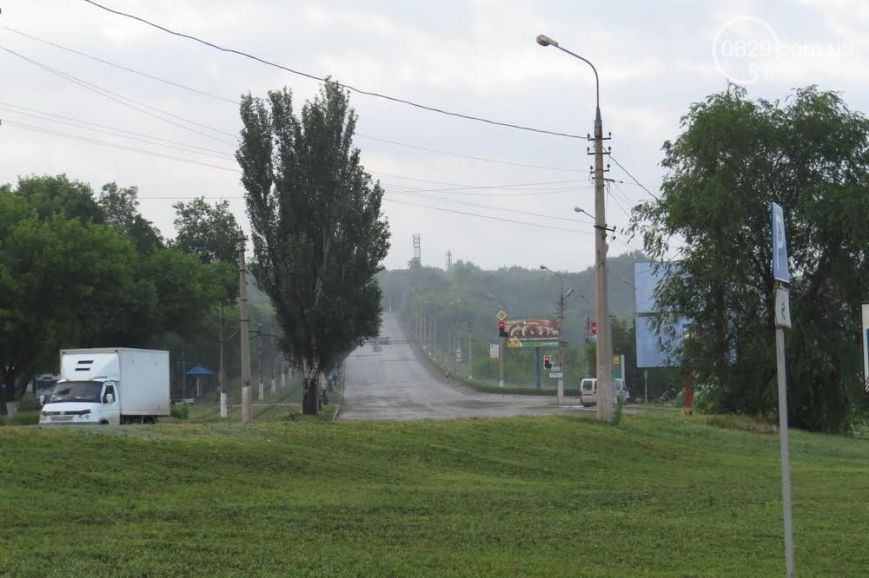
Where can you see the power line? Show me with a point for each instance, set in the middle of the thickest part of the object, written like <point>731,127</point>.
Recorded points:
<point>237,103</point>
<point>125,101</point>
<point>493,208</point>
<point>489,217</point>
<point>471,157</point>
<point>121,67</point>
<point>323,79</point>
<point>110,131</point>
<point>32,128</point>
<point>627,172</point>
<point>617,201</point>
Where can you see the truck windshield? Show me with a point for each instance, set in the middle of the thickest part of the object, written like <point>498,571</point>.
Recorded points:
<point>83,391</point>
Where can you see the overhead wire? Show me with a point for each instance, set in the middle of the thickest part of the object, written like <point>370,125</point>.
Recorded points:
<point>638,183</point>
<point>120,66</point>
<point>111,131</point>
<point>504,220</point>
<point>126,101</point>
<point>237,103</point>
<point>23,126</point>
<point>323,79</point>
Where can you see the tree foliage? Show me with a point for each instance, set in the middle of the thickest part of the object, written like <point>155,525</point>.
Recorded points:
<point>733,158</point>
<point>317,229</point>
<point>211,232</point>
<point>77,272</point>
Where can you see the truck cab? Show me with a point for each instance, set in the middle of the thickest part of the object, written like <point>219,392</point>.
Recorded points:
<point>93,401</point>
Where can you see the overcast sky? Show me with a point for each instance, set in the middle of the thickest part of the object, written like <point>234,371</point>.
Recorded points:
<point>473,57</point>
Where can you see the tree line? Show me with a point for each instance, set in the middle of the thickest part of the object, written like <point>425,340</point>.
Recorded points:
<point>79,269</point>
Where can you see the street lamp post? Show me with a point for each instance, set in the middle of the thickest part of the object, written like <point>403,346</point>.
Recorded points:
<point>604,340</point>
<point>559,392</point>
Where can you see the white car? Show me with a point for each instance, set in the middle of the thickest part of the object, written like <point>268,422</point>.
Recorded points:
<point>588,391</point>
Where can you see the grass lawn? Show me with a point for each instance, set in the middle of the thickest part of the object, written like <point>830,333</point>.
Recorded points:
<point>658,495</point>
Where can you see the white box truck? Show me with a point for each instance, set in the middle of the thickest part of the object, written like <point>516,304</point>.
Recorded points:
<point>114,386</point>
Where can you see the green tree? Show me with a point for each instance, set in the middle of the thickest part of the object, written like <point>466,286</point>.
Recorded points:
<point>317,229</point>
<point>58,277</point>
<point>732,159</point>
<point>51,195</point>
<point>120,208</point>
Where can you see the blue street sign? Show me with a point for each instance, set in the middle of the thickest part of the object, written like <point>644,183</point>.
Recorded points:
<point>779,246</point>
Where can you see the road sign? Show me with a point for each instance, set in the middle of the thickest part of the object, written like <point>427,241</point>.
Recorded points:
<point>782,308</point>
<point>779,246</point>
<point>501,315</point>
<point>555,374</point>
<point>494,351</point>
<point>459,354</point>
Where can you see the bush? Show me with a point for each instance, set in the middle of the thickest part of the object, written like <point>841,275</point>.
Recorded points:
<point>179,411</point>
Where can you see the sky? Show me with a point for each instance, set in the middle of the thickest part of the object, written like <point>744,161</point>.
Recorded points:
<point>491,195</point>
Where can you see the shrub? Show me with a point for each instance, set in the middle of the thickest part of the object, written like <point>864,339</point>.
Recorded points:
<point>179,411</point>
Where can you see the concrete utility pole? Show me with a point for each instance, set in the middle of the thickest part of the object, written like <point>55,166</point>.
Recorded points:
<point>244,334</point>
<point>605,410</point>
<point>259,361</point>
<point>221,372</point>
<point>559,392</point>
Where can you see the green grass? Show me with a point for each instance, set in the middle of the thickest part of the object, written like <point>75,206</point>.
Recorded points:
<point>659,495</point>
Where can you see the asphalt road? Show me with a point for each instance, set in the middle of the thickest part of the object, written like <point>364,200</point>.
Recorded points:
<point>392,384</point>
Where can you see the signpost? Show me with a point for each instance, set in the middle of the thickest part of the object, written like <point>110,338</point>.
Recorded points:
<point>782,321</point>
<point>865,313</point>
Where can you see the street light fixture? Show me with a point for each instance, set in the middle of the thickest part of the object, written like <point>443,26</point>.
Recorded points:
<point>604,342</point>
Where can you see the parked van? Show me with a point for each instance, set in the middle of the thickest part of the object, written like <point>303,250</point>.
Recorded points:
<point>588,391</point>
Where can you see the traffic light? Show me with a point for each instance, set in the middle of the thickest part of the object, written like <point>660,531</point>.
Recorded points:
<point>502,329</point>
<point>594,327</point>
<point>547,361</point>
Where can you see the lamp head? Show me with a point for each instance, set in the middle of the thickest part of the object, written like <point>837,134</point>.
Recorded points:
<point>544,40</point>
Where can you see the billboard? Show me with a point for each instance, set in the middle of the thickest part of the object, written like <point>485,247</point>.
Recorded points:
<point>649,350</point>
<point>652,351</point>
<point>532,333</point>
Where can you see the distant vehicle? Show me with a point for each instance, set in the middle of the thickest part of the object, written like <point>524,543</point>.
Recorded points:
<point>109,386</point>
<point>588,391</point>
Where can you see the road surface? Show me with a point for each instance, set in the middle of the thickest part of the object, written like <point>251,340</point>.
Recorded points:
<point>392,384</point>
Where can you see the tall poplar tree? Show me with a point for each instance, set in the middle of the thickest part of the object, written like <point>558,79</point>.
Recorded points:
<point>318,233</point>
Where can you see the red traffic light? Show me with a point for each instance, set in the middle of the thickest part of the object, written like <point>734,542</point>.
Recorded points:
<point>502,329</point>
<point>547,361</point>
<point>594,327</point>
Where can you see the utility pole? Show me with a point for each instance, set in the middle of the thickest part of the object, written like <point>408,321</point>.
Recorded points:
<point>605,410</point>
<point>559,392</point>
<point>259,360</point>
<point>244,334</point>
<point>221,372</point>
<point>470,354</point>
<point>272,354</point>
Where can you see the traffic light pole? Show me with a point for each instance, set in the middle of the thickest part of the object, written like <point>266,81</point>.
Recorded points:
<point>501,348</point>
